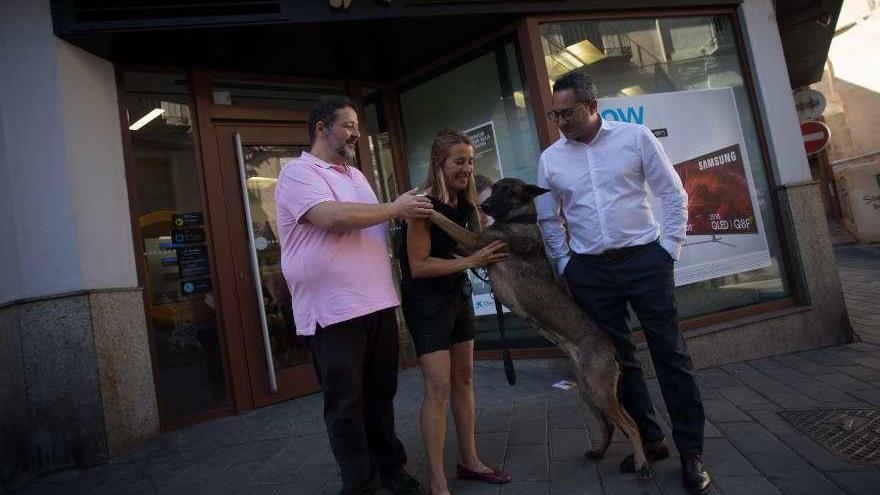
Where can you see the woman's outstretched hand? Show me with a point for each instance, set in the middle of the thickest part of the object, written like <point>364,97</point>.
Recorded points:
<point>494,252</point>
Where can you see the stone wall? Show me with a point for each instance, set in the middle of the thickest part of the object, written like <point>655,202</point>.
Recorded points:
<point>77,382</point>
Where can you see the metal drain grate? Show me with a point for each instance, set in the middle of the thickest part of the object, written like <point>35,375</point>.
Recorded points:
<point>853,434</point>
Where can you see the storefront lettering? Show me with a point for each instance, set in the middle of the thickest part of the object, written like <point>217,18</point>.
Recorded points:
<point>631,114</point>
<point>719,224</point>
<point>715,161</point>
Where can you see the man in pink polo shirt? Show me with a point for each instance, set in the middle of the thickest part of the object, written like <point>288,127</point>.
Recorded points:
<point>334,257</point>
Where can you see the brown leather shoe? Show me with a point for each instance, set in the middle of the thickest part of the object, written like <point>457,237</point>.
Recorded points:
<point>495,477</point>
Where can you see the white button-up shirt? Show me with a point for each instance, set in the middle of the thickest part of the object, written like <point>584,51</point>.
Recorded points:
<point>599,188</point>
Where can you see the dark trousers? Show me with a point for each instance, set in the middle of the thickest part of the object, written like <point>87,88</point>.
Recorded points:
<point>356,363</point>
<point>644,279</point>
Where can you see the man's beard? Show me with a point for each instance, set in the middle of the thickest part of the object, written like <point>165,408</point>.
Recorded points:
<point>344,151</point>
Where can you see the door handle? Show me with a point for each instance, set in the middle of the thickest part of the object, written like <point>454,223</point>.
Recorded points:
<point>255,268</point>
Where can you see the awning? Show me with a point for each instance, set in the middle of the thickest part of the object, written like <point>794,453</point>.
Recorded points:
<point>371,40</point>
<point>806,28</point>
<point>271,35</point>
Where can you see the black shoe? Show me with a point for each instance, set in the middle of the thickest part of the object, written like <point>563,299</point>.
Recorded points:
<point>403,484</point>
<point>694,477</point>
<point>654,451</point>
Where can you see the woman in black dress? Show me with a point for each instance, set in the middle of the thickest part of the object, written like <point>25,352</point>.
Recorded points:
<point>438,309</point>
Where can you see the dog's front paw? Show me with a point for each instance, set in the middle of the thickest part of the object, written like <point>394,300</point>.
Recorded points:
<point>595,454</point>
<point>645,473</point>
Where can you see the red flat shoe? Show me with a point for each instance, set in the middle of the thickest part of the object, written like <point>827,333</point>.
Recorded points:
<point>495,477</point>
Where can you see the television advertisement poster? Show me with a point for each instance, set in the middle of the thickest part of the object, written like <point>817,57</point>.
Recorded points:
<point>701,133</point>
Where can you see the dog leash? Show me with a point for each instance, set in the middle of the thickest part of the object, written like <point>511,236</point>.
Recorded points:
<point>509,370</point>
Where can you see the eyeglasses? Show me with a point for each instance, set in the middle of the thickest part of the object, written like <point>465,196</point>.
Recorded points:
<point>566,113</point>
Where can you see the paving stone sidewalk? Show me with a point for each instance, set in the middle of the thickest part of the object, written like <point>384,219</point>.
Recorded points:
<point>859,267</point>
<point>539,434</point>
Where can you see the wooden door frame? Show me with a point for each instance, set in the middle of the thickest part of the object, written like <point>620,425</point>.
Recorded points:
<point>167,424</point>
<point>209,116</point>
<point>291,380</point>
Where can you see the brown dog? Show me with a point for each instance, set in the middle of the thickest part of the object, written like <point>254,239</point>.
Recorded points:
<point>524,282</point>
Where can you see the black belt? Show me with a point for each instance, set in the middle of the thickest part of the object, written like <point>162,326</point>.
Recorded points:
<point>618,253</point>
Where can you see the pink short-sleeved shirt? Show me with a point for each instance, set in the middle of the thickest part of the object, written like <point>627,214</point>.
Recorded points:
<point>332,276</point>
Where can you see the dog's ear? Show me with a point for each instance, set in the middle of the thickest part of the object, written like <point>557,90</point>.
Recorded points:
<point>533,191</point>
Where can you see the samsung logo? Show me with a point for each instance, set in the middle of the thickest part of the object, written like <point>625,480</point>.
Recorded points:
<point>717,160</point>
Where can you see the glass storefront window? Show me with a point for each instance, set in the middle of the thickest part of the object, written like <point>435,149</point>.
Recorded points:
<point>664,55</point>
<point>484,95</point>
<point>485,98</point>
<point>180,302</point>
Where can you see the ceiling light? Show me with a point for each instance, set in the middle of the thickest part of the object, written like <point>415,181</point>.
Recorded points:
<point>586,52</point>
<point>146,119</point>
<point>572,57</point>
<point>261,181</point>
<point>632,90</point>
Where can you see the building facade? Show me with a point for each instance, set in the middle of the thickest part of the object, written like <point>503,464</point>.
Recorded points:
<point>139,146</point>
<point>850,167</point>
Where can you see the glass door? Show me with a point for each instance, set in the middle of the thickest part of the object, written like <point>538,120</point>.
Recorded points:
<point>252,156</point>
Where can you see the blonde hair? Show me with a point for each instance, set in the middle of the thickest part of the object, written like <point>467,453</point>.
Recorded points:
<point>436,181</point>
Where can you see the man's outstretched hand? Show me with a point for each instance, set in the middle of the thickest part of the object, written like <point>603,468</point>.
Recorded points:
<point>410,206</point>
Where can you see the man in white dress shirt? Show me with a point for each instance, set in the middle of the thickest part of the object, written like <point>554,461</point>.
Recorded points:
<point>616,252</point>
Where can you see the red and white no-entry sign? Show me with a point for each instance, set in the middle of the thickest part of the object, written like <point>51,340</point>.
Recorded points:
<point>816,135</point>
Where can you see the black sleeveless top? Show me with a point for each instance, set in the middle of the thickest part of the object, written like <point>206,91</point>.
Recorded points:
<point>442,246</point>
